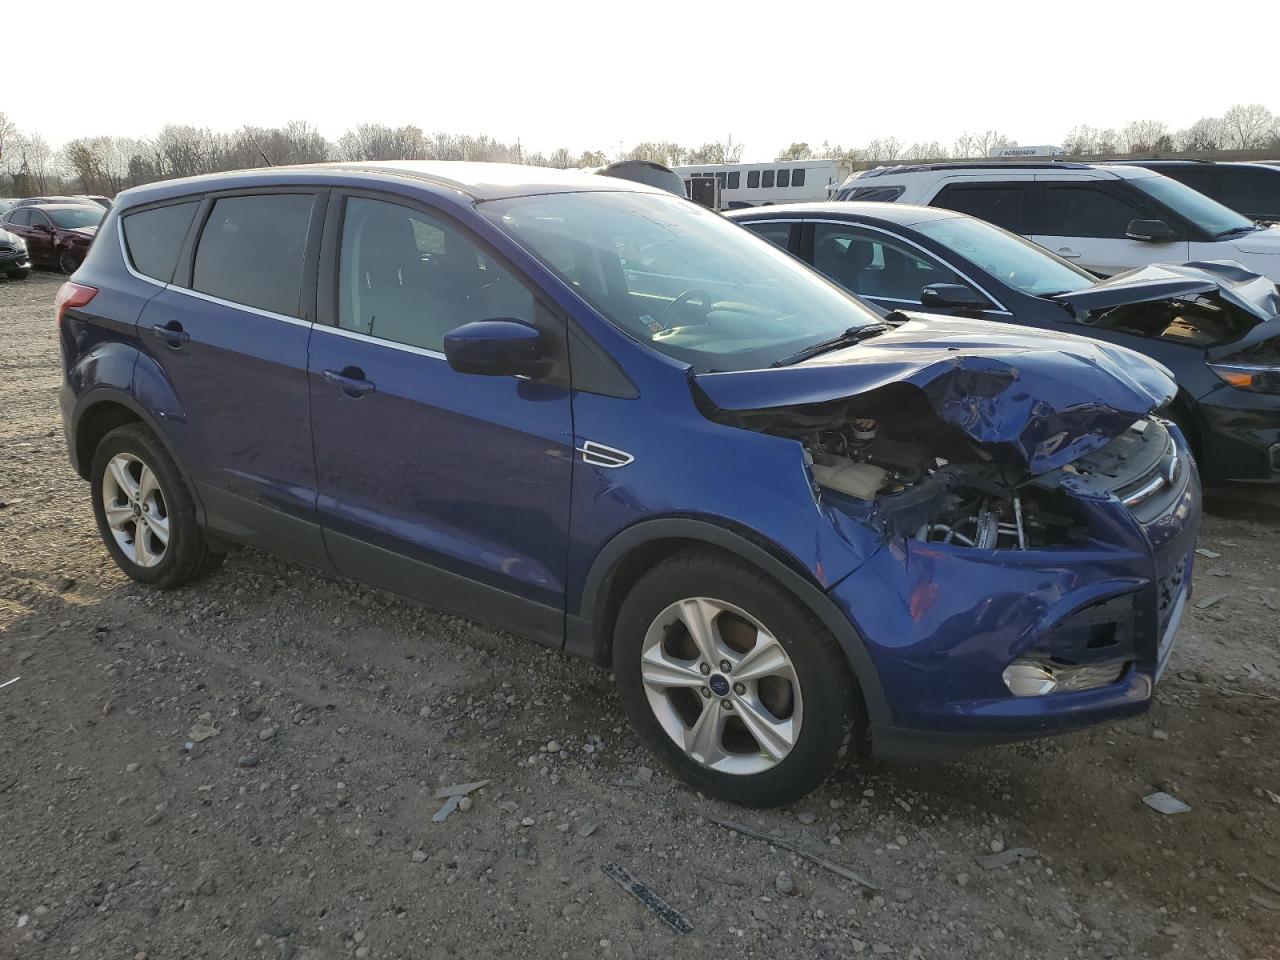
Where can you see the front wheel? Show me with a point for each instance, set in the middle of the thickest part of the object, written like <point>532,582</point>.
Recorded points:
<point>726,675</point>
<point>18,274</point>
<point>145,512</point>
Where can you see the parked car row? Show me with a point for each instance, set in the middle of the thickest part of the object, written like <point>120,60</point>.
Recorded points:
<point>53,234</point>
<point>1215,325</point>
<point>794,523</point>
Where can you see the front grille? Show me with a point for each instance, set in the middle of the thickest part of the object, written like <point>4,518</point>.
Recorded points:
<point>1169,590</point>
<point>1141,467</point>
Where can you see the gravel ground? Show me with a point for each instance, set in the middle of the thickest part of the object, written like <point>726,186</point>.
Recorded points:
<point>301,825</point>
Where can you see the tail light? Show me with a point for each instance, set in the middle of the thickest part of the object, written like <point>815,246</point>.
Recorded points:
<point>72,295</point>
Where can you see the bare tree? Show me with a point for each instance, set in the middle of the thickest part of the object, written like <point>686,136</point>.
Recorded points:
<point>659,151</point>
<point>1205,134</point>
<point>1145,136</point>
<point>932,150</point>
<point>560,158</point>
<point>796,151</point>
<point>8,131</point>
<point>1247,126</point>
<point>989,140</point>
<point>376,141</point>
<point>885,149</point>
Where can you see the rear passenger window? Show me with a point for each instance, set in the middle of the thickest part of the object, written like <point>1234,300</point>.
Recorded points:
<point>1077,210</point>
<point>19,217</point>
<point>734,180</point>
<point>784,178</point>
<point>409,277</point>
<point>753,179</point>
<point>877,194</point>
<point>797,177</point>
<point>766,180</point>
<point>251,251</point>
<point>1000,204</point>
<point>779,234</point>
<point>1251,192</point>
<point>154,238</point>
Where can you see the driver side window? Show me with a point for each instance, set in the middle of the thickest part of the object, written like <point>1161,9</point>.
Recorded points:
<point>409,277</point>
<point>872,264</point>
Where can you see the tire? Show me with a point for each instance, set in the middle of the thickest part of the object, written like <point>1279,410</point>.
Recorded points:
<point>18,274</point>
<point>749,613</point>
<point>68,262</point>
<point>160,500</point>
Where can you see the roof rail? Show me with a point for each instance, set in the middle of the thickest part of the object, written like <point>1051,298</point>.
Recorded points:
<point>976,165</point>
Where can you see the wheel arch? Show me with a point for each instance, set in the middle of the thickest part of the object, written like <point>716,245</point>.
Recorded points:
<point>638,548</point>
<point>102,410</point>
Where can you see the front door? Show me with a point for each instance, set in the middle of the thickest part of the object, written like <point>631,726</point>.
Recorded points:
<point>449,487</point>
<point>229,338</point>
<point>1087,223</point>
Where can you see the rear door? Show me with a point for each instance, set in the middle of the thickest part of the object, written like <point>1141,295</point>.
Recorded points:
<point>229,337</point>
<point>450,487</point>
<point>1005,202</point>
<point>1086,221</point>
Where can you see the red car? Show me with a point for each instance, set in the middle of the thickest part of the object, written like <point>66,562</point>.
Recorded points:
<point>57,234</point>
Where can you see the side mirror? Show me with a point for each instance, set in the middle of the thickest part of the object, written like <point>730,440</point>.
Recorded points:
<point>953,296</point>
<point>497,348</point>
<point>1150,231</point>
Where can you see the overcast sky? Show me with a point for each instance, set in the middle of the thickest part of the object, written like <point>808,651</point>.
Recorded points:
<point>610,73</point>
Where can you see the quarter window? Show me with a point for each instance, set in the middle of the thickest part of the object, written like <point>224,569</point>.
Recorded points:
<point>753,179</point>
<point>766,178</point>
<point>252,248</point>
<point>784,178</point>
<point>154,238</point>
<point>797,177</point>
<point>1001,204</point>
<point>872,264</point>
<point>1078,210</point>
<point>409,277</point>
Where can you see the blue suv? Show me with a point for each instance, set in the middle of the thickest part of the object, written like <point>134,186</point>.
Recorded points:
<point>607,419</point>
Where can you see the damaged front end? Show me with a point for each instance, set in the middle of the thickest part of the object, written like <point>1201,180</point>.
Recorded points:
<point>1035,515</point>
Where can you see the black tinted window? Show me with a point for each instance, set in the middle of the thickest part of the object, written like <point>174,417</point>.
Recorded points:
<point>1000,204</point>
<point>879,194</point>
<point>784,178</point>
<point>251,251</point>
<point>1196,177</point>
<point>766,180</point>
<point>797,178</point>
<point>1079,210</point>
<point>753,179</point>
<point>872,264</point>
<point>409,277</point>
<point>1251,192</point>
<point>735,179</point>
<point>154,238</point>
<point>19,217</point>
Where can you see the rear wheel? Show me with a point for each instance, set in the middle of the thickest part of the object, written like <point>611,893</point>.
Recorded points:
<point>733,681</point>
<point>145,514</point>
<point>18,274</point>
<point>68,262</point>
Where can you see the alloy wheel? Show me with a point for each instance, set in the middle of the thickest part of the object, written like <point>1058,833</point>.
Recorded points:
<point>721,686</point>
<point>135,508</point>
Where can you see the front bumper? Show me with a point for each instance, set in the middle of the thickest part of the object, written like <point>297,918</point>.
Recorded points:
<point>14,260</point>
<point>941,624</point>
<point>1240,434</point>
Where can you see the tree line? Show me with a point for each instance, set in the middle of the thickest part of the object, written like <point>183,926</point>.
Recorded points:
<point>29,165</point>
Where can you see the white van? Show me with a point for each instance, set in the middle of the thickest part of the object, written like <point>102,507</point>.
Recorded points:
<point>762,184</point>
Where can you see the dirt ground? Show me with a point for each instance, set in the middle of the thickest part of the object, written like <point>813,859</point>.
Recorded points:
<point>303,828</point>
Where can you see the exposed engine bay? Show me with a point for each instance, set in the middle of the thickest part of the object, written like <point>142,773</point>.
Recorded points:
<point>1202,321</point>
<point>916,476</point>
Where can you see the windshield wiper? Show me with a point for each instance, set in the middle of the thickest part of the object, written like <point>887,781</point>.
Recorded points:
<point>1234,231</point>
<point>847,339</point>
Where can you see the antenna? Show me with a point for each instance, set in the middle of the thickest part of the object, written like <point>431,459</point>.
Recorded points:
<point>261,152</point>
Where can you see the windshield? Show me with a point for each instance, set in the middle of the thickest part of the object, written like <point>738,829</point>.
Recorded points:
<point>1019,263</point>
<point>71,217</point>
<point>680,278</point>
<point>1208,215</point>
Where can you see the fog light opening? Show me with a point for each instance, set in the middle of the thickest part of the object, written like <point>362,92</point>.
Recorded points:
<point>1026,678</point>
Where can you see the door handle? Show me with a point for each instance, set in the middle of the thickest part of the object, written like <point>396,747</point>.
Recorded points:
<point>351,381</point>
<point>1068,254</point>
<point>172,333</point>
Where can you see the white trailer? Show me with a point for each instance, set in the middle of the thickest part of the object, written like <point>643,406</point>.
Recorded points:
<point>763,184</point>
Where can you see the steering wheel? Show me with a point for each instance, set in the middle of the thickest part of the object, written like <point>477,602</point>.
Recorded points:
<point>693,293</point>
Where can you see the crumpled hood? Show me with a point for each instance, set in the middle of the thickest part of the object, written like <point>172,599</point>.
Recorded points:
<point>1251,292</point>
<point>1052,397</point>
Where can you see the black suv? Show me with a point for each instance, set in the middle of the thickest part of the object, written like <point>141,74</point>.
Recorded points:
<point>1250,188</point>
